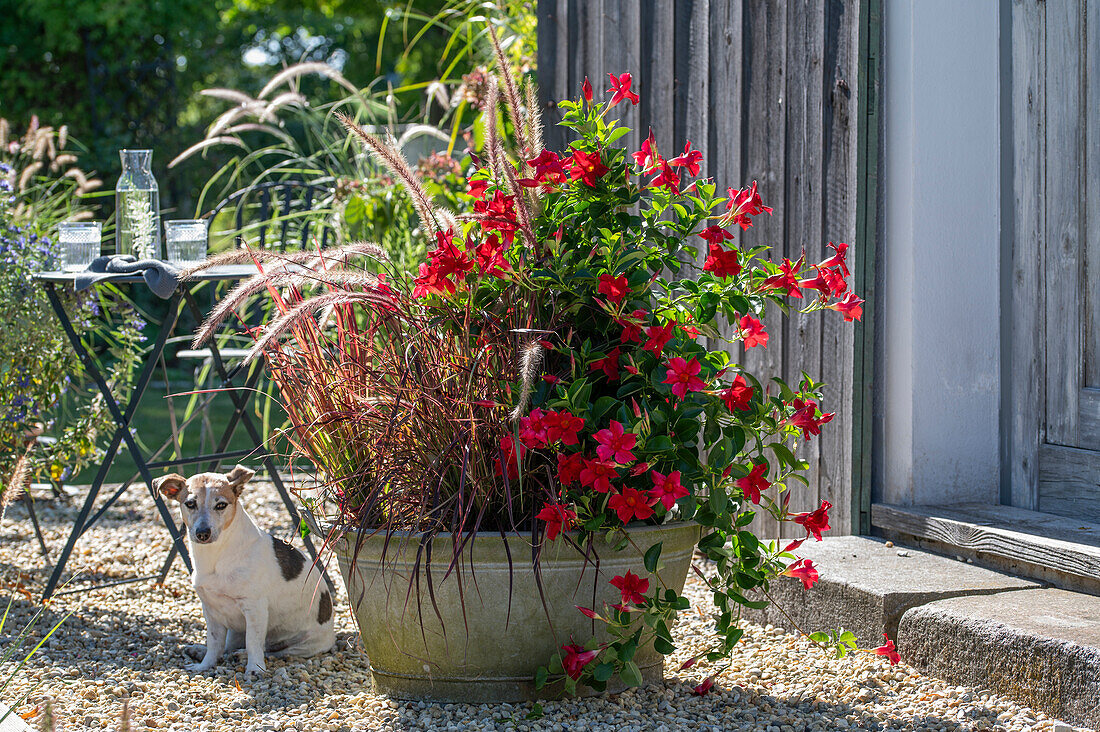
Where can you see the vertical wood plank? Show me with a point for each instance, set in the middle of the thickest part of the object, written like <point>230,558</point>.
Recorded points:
<point>553,66</point>
<point>622,53</point>
<point>802,180</point>
<point>696,82</point>
<point>576,45</point>
<point>764,57</point>
<point>658,81</point>
<point>1029,138</point>
<point>692,87</point>
<point>765,35</point>
<point>838,186</point>
<point>1092,198</point>
<point>723,150</point>
<point>1063,219</point>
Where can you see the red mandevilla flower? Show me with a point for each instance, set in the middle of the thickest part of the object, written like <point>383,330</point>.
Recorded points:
<point>754,483</point>
<point>631,587</point>
<point>477,188</point>
<point>684,376</point>
<point>715,235</point>
<point>722,262</point>
<point>490,257</point>
<point>548,171</point>
<point>587,167</point>
<point>667,488</point>
<point>586,90</point>
<point>742,205</point>
<point>806,419</point>
<point>659,336</point>
<point>888,650</point>
<point>557,518</point>
<point>609,364</point>
<point>597,475</point>
<point>646,158</point>
<point>588,612</point>
<point>690,159</point>
<point>562,425</point>
<point>666,177</point>
<point>576,658</point>
<point>851,307</point>
<point>621,86</point>
<point>815,521</point>
<point>445,261</point>
<point>739,394</point>
<point>630,504</point>
<point>632,328</point>
<point>837,260</point>
<point>786,279</point>
<point>704,688</point>
<point>570,467</point>
<point>827,282</point>
<point>498,213</point>
<point>752,332</point>
<point>804,571</point>
<point>616,444</point>
<point>616,288</point>
<point>532,431</point>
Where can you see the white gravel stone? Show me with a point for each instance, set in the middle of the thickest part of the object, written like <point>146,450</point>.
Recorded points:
<point>122,645</point>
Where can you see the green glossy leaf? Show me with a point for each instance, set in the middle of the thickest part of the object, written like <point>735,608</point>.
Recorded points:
<point>652,556</point>
<point>603,671</point>
<point>631,674</point>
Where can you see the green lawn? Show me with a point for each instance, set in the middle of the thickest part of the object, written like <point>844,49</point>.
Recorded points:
<point>153,426</point>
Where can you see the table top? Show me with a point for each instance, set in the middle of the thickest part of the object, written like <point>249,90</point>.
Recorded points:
<point>214,274</point>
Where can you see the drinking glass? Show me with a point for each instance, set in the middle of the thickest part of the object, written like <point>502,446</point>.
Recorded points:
<point>186,240</point>
<point>79,242</point>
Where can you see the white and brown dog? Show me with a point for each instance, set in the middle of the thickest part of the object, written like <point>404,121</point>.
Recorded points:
<point>256,590</point>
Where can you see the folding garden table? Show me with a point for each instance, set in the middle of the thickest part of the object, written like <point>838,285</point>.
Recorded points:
<point>123,417</point>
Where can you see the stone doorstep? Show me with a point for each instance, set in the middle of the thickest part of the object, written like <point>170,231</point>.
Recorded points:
<point>866,587</point>
<point>1039,647</point>
<point>13,722</point>
<point>951,619</point>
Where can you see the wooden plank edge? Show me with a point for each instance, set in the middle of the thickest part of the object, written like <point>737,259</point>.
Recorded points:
<point>1078,560</point>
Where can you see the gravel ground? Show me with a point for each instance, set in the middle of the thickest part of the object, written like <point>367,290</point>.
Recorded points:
<point>122,646</point>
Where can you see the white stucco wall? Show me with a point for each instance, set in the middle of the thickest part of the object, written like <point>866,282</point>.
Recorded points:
<point>939,293</point>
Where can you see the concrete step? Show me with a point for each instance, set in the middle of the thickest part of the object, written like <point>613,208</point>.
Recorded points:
<point>1060,551</point>
<point>952,619</point>
<point>1041,647</point>
<point>866,586</point>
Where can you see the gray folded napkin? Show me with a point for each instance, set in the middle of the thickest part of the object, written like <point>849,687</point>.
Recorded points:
<point>161,277</point>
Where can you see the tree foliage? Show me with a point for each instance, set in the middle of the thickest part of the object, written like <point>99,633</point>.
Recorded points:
<point>126,73</point>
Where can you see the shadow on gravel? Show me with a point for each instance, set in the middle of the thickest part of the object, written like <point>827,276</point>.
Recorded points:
<point>154,648</point>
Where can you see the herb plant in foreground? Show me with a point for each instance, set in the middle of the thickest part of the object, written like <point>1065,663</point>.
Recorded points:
<point>557,367</point>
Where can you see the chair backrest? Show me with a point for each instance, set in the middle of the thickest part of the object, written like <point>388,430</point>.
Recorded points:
<point>288,212</point>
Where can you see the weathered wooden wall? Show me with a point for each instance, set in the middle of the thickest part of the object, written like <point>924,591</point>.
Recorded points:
<point>767,90</point>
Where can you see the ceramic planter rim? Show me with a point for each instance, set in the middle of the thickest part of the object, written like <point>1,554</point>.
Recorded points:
<point>406,534</point>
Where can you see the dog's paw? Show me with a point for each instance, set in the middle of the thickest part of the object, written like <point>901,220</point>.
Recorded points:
<point>194,651</point>
<point>198,667</point>
<point>253,669</point>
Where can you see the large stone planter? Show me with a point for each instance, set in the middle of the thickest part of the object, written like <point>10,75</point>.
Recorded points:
<point>489,642</point>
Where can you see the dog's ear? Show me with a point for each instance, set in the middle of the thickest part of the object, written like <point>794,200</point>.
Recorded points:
<point>238,476</point>
<point>170,485</point>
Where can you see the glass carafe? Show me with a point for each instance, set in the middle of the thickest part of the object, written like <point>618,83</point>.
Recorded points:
<point>137,207</point>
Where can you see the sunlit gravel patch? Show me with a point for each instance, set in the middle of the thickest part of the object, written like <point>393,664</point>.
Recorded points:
<point>122,647</point>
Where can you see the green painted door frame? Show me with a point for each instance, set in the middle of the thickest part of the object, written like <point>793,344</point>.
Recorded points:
<point>868,140</point>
